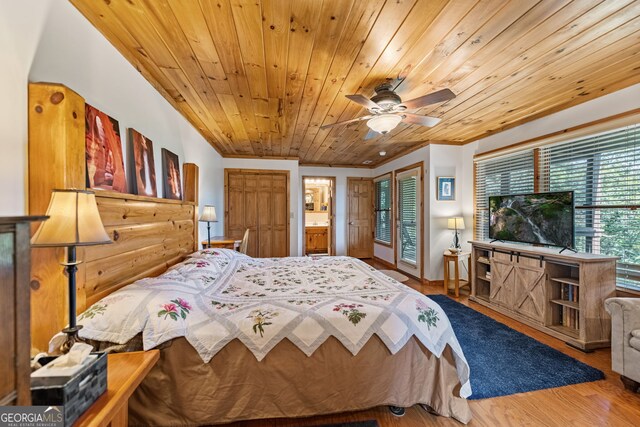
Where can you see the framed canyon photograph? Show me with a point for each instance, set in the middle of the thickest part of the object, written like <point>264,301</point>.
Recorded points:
<point>171,175</point>
<point>105,163</point>
<point>144,170</point>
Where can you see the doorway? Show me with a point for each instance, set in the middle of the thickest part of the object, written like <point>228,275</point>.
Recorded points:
<point>409,220</point>
<point>318,215</point>
<point>360,217</point>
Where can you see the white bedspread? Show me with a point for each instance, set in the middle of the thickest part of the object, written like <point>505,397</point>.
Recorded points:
<point>218,295</point>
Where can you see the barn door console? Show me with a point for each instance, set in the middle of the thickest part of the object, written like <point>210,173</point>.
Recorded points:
<point>560,294</point>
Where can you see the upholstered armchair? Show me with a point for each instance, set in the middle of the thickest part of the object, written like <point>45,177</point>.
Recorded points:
<point>625,339</point>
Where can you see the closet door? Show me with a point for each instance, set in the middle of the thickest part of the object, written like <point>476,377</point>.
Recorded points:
<point>265,217</point>
<point>251,212</point>
<point>258,201</point>
<point>234,222</point>
<point>279,216</point>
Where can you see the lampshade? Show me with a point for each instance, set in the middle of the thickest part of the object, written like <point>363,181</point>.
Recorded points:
<point>209,214</point>
<point>74,220</point>
<point>384,122</point>
<point>456,223</point>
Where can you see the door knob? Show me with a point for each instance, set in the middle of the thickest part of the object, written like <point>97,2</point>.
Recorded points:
<point>350,222</point>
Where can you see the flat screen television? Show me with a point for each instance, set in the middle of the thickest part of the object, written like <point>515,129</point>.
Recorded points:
<point>540,218</point>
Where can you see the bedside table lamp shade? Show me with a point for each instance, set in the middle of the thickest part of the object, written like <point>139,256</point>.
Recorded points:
<point>456,223</point>
<point>74,220</point>
<point>209,216</point>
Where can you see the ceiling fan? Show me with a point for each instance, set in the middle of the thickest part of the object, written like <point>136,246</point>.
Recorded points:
<point>387,109</point>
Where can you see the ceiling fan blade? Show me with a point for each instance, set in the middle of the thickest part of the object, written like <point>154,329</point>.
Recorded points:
<point>432,98</point>
<point>358,119</point>
<point>420,120</point>
<point>371,134</point>
<point>364,101</point>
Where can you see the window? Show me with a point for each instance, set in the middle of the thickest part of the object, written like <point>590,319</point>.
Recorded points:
<point>604,173</point>
<point>383,209</point>
<point>511,174</point>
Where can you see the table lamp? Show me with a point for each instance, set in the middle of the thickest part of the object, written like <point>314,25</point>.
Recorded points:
<point>73,221</point>
<point>208,216</point>
<point>457,224</point>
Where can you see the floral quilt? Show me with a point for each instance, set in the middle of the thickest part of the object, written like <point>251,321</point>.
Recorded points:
<point>218,295</point>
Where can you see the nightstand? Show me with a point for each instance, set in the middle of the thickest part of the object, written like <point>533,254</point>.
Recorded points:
<point>125,371</point>
<point>456,259</point>
<point>222,242</point>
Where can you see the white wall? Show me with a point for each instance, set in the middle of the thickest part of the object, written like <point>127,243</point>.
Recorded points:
<point>21,24</point>
<point>445,160</point>
<point>50,41</point>
<point>341,175</point>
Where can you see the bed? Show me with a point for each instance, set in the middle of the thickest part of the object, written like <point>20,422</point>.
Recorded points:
<point>246,338</point>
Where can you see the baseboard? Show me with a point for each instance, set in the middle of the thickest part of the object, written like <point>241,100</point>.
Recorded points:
<point>424,281</point>
<point>387,264</point>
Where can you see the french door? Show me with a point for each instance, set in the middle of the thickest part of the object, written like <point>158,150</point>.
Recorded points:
<point>408,224</point>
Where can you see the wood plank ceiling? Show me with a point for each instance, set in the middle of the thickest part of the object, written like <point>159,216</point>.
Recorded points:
<point>258,78</point>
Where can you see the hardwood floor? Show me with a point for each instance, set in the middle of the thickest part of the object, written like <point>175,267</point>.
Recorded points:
<point>600,403</point>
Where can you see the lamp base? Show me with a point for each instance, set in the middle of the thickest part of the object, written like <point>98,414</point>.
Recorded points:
<point>72,338</point>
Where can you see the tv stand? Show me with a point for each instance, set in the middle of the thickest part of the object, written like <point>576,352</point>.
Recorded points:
<point>497,240</point>
<point>561,294</point>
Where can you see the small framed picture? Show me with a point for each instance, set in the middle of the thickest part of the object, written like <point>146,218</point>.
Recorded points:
<point>171,177</point>
<point>446,188</point>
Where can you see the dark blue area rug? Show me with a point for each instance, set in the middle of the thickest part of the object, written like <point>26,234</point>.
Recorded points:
<point>504,361</point>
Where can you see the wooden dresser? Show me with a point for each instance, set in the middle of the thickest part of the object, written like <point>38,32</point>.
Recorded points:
<point>15,340</point>
<point>560,294</point>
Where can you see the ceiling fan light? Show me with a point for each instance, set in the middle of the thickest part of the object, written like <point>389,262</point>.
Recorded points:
<point>384,123</point>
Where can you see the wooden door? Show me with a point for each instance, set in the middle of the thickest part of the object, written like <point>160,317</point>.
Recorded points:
<point>251,213</point>
<point>360,217</point>
<point>265,228</point>
<point>529,295</point>
<point>279,216</point>
<point>234,218</point>
<point>502,280</point>
<point>259,201</point>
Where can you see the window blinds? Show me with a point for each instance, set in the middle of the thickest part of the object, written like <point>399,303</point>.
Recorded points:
<point>511,174</point>
<point>383,209</point>
<point>408,216</point>
<point>604,173</point>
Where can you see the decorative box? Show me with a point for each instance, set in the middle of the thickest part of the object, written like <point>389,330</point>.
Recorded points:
<point>76,393</point>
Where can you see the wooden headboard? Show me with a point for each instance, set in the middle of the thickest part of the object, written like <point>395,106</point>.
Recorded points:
<point>149,234</point>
